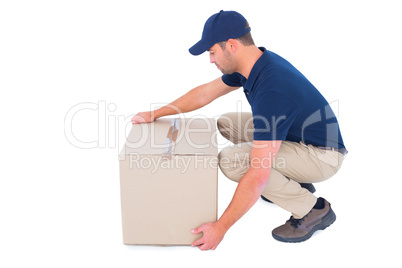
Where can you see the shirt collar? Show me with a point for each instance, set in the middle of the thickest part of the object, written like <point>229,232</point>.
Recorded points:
<point>257,68</point>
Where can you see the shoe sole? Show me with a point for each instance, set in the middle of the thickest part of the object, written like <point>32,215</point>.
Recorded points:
<point>327,220</point>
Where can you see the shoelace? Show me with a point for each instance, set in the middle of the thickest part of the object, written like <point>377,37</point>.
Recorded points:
<point>295,222</point>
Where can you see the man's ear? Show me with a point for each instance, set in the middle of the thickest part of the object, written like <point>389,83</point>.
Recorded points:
<point>232,45</point>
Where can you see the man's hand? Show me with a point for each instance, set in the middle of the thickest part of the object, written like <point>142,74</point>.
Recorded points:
<point>248,191</point>
<point>212,236</point>
<point>143,117</point>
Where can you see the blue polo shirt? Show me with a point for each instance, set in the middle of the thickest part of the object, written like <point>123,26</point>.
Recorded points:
<point>285,105</point>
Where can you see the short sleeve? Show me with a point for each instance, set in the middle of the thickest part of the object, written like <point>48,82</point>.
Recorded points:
<point>273,115</point>
<point>233,80</point>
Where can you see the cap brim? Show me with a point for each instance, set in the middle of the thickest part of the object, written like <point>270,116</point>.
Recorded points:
<point>200,47</point>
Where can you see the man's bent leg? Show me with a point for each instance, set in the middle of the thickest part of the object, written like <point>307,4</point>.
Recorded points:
<point>307,164</point>
<point>289,195</point>
<point>295,163</point>
<point>236,127</point>
<point>234,161</point>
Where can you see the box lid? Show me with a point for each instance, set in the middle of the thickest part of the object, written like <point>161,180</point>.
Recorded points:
<point>176,136</point>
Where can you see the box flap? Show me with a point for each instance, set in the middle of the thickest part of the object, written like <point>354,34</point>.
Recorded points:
<point>174,136</point>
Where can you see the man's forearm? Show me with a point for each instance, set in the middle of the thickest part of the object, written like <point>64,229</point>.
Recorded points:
<point>196,98</point>
<point>247,193</point>
<point>250,187</point>
<point>190,101</point>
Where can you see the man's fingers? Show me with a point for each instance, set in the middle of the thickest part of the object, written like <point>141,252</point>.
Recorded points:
<point>198,243</point>
<point>197,230</point>
<point>204,247</point>
<point>137,119</point>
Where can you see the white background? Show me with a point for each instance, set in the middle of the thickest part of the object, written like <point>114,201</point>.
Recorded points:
<point>60,204</point>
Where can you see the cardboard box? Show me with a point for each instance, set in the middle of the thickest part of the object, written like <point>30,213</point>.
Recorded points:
<point>168,180</point>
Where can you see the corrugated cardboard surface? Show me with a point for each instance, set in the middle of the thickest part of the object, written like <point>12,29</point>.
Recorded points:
<point>195,136</point>
<point>165,194</point>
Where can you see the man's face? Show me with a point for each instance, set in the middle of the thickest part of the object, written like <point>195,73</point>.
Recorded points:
<point>223,59</point>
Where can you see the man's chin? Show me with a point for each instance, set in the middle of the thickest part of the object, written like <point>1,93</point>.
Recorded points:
<point>227,73</point>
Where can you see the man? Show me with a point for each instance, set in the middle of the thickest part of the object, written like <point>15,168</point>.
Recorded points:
<point>290,140</point>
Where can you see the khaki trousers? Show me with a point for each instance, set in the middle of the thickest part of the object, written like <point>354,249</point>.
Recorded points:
<point>294,163</point>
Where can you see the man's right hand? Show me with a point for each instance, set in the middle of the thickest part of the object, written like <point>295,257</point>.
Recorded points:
<point>143,117</point>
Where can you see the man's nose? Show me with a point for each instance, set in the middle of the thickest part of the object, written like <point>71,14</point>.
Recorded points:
<point>211,59</point>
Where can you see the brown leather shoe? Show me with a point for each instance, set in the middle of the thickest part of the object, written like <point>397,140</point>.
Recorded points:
<point>299,230</point>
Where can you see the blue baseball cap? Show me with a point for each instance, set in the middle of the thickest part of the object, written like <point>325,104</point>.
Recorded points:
<point>220,27</point>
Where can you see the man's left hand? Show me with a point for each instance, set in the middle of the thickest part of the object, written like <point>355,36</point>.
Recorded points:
<point>212,236</point>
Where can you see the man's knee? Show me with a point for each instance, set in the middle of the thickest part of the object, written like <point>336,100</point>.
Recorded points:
<point>225,123</point>
<point>236,127</point>
<point>233,163</point>
<point>225,158</point>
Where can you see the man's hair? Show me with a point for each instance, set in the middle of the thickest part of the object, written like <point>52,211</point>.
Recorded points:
<point>246,39</point>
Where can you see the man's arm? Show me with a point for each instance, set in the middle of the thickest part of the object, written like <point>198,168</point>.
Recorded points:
<point>194,99</point>
<point>247,193</point>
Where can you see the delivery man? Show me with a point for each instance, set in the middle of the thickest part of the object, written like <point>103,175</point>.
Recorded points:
<point>290,121</point>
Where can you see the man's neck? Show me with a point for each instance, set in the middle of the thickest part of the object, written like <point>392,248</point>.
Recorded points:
<point>248,58</point>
